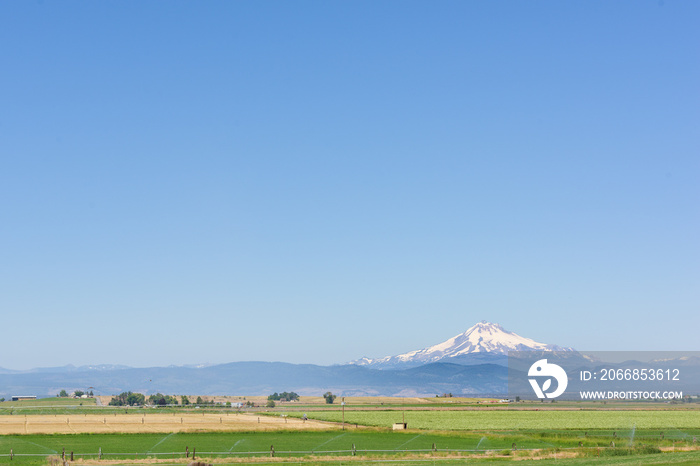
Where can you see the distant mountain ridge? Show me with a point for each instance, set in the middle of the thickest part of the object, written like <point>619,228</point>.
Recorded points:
<point>263,378</point>
<point>66,368</point>
<point>473,363</point>
<point>483,342</point>
<point>470,363</point>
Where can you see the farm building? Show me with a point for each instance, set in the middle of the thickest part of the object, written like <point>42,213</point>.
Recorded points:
<point>23,397</point>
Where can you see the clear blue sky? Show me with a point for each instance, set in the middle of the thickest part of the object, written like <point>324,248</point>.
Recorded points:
<point>312,182</point>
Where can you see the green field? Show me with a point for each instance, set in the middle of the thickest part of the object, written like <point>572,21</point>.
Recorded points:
<point>228,445</point>
<point>54,405</point>
<point>48,402</point>
<point>672,420</point>
<point>232,444</point>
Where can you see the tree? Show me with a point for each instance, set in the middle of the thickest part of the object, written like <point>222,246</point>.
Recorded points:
<point>270,404</point>
<point>136,399</point>
<point>162,400</point>
<point>330,398</point>
<point>128,399</point>
<point>78,393</point>
<point>63,394</point>
<point>284,396</point>
<point>184,400</point>
<point>199,401</point>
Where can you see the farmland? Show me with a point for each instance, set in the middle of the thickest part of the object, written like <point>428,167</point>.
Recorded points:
<point>228,446</point>
<point>518,419</point>
<point>575,434</point>
<point>147,423</point>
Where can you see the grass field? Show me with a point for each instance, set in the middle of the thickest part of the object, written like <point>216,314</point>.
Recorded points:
<point>247,442</point>
<point>518,419</point>
<point>230,445</point>
<point>57,401</point>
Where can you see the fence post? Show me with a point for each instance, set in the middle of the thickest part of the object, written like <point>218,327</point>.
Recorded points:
<point>99,456</point>
<point>353,449</point>
<point>434,447</point>
<point>194,452</point>
<point>11,454</point>
<point>272,451</point>
<point>63,454</point>
<point>71,456</point>
<point>187,452</point>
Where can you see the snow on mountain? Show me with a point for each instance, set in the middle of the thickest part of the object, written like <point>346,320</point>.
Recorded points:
<point>482,341</point>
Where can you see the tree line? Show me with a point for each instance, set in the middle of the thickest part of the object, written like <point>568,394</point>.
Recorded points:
<point>158,399</point>
<point>76,394</point>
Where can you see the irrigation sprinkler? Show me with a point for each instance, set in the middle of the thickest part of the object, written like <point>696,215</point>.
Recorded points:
<point>342,404</point>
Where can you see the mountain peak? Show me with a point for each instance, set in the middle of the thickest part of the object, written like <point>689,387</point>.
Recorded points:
<point>486,325</point>
<point>485,339</point>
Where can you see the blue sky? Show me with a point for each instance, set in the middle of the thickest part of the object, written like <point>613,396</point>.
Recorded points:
<point>312,182</point>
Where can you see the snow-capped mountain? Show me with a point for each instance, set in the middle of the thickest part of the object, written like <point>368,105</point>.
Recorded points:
<point>484,342</point>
